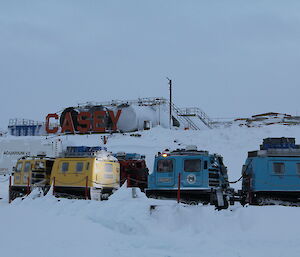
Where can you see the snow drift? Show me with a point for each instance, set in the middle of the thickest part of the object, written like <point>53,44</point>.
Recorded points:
<point>122,226</point>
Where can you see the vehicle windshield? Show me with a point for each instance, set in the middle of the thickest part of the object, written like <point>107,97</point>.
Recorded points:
<point>165,166</point>
<point>19,167</point>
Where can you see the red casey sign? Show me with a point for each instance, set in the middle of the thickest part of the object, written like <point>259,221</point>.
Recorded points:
<point>86,122</point>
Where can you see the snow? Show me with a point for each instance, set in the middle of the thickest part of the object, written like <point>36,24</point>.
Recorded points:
<point>105,156</point>
<point>199,123</point>
<point>123,226</point>
<point>12,148</point>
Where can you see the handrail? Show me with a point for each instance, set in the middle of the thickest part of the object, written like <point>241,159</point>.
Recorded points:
<point>147,101</point>
<point>184,119</point>
<point>195,111</point>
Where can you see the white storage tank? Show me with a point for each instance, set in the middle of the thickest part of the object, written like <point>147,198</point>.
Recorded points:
<point>135,117</point>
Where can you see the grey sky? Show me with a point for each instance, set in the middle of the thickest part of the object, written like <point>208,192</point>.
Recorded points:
<point>230,58</point>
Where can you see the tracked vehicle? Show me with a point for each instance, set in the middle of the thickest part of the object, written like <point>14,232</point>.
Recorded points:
<point>31,172</point>
<point>197,175</point>
<point>85,172</point>
<point>133,169</point>
<point>271,175</point>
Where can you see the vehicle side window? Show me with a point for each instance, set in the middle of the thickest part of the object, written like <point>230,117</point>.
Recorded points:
<point>19,167</point>
<point>27,166</point>
<point>108,167</point>
<point>87,166</point>
<point>79,166</point>
<point>193,165</point>
<point>64,167</point>
<point>298,168</point>
<point>165,166</point>
<point>278,167</point>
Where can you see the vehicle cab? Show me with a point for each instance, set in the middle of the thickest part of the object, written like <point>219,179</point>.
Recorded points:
<point>196,173</point>
<point>85,172</point>
<point>29,172</point>
<point>133,168</point>
<point>272,173</point>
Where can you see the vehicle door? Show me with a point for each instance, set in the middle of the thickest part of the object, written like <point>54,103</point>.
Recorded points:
<point>165,172</point>
<point>26,172</point>
<point>192,175</point>
<point>18,173</point>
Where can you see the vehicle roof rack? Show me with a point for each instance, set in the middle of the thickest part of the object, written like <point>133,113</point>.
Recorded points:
<point>83,151</point>
<point>188,152</point>
<point>129,156</point>
<point>279,143</point>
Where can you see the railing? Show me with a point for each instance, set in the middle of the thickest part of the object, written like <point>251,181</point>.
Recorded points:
<point>15,122</point>
<point>197,112</point>
<point>148,101</point>
<point>184,119</point>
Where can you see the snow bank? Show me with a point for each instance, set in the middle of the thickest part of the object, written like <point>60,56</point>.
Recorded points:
<point>123,226</point>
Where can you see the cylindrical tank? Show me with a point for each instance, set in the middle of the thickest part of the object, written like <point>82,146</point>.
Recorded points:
<point>128,119</point>
<point>74,114</point>
<point>106,119</point>
<point>134,117</point>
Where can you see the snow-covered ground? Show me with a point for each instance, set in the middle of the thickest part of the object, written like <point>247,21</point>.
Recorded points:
<point>122,226</point>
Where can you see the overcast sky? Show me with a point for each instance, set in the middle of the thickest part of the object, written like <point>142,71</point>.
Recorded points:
<point>230,58</point>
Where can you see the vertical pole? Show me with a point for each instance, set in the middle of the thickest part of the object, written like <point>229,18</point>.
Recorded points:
<point>170,88</point>
<point>178,191</point>
<point>159,114</point>
<point>9,190</point>
<point>28,186</point>
<point>86,187</point>
<point>133,192</point>
<point>53,186</point>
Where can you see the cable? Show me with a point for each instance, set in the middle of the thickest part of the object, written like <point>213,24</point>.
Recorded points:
<point>233,182</point>
<point>102,184</point>
<point>139,181</point>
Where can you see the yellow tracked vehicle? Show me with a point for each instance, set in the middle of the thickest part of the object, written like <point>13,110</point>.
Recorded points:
<point>85,172</point>
<point>30,172</point>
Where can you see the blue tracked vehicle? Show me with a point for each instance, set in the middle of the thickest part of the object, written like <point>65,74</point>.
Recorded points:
<point>271,175</point>
<point>203,177</point>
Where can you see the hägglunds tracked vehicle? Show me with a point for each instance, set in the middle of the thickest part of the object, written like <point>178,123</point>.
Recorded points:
<point>31,172</point>
<point>271,175</point>
<point>85,172</point>
<point>133,169</point>
<point>197,175</point>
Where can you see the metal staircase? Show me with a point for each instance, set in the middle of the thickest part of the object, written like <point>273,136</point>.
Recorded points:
<point>197,112</point>
<point>184,119</point>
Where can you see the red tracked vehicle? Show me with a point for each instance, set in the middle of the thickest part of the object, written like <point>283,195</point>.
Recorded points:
<point>133,168</point>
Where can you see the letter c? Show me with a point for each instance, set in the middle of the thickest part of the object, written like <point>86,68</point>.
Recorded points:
<point>55,129</point>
